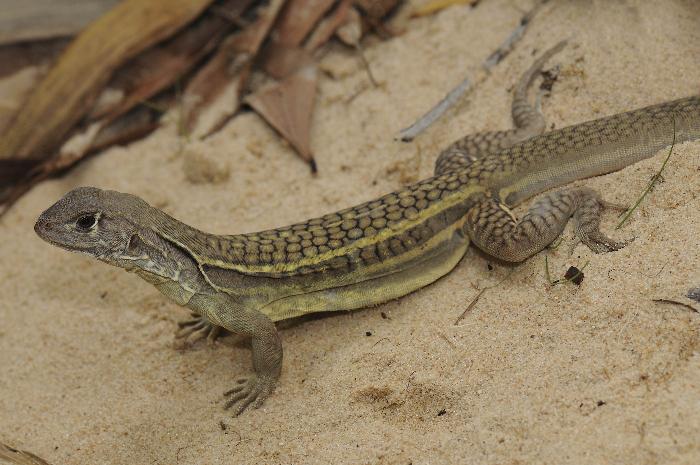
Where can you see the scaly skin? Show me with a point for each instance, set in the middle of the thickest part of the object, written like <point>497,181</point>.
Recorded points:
<point>378,250</point>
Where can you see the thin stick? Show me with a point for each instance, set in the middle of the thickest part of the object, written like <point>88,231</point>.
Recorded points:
<point>675,302</point>
<point>476,299</point>
<point>500,53</point>
<point>470,306</point>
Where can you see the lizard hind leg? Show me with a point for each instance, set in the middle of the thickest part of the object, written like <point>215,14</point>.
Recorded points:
<point>493,228</point>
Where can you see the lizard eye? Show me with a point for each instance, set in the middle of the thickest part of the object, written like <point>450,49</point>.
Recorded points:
<point>86,222</point>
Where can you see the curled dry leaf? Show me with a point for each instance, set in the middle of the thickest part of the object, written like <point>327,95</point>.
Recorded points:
<point>287,106</point>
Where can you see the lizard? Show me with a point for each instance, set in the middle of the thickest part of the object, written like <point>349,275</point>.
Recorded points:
<point>381,249</point>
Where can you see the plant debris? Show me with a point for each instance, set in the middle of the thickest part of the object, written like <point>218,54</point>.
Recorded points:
<point>454,95</point>
<point>287,106</point>
<point>141,58</point>
<point>574,275</point>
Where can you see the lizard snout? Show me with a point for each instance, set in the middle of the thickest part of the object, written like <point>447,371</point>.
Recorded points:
<point>43,226</point>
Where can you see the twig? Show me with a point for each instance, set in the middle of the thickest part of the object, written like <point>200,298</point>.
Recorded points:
<point>470,306</point>
<point>500,53</point>
<point>675,302</point>
<point>365,63</point>
<point>409,133</point>
<point>652,182</point>
<point>476,298</point>
<point>436,112</point>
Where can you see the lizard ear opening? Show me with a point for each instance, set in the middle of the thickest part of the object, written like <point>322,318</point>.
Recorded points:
<point>136,247</point>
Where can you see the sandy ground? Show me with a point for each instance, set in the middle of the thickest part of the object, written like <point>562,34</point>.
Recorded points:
<point>533,373</point>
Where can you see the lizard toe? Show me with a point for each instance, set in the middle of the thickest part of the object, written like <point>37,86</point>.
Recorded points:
<point>195,329</point>
<point>251,391</point>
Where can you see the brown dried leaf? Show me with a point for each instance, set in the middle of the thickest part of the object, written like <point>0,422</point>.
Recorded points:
<point>222,76</point>
<point>376,9</point>
<point>279,61</point>
<point>213,117</point>
<point>14,90</point>
<point>350,32</point>
<point>66,93</point>
<point>298,19</point>
<point>250,40</point>
<point>287,106</point>
<point>41,54</point>
<point>327,27</point>
<point>226,75</point>
<point>161,66</point>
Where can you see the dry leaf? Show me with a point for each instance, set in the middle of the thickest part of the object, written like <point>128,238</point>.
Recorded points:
<point>288,106</point>
<point>14,90</point>
<point>225,76</point>
<point>222,79</point>
<point>40,54</point>
<point>327,27</point>
<point>279,61</point>
<point>66,93</point>
<point>298,19</point>
<point>376,9</point>
<point>161,66</point>
<point>350,33</point>
<point>252,37</point>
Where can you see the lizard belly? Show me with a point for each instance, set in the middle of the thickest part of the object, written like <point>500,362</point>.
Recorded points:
<point>416,274</point>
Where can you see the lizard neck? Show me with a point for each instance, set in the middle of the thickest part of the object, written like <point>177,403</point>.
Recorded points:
<point>161,263</point>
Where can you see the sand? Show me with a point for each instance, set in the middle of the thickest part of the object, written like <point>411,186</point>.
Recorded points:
<point>533,373</point>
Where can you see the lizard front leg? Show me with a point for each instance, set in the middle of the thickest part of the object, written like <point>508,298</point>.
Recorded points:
<point>492,227</point>
<point>196,328</point>
<point>223,311</point>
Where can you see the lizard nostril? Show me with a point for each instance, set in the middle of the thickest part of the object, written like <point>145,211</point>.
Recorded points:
<point>43,225</point>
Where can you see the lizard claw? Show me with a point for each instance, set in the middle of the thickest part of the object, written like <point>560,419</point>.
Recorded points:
<point>251,390</point>
<point>195,329</point>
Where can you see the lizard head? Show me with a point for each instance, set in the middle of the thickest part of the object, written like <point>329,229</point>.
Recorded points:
<point>93,221</point>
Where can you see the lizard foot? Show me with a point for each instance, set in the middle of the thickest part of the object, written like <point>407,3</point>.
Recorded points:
<point>587,220</point>
<point>195,329</point>
<point>250,390</point>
